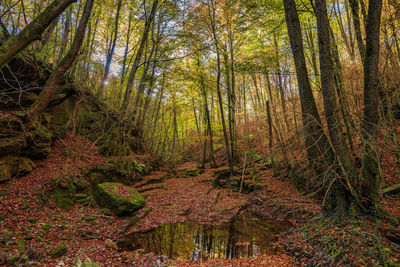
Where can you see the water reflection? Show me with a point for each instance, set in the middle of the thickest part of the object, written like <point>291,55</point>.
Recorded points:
<point>245,236</point>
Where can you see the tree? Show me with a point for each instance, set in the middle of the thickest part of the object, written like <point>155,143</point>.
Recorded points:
<point>147,26</point>
<point>316,141</point>
<point>32,31</point>
<point>111,49</point>
<point>370,171</point>
<point>52,83</point>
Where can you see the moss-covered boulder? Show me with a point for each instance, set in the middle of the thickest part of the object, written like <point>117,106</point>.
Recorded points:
<point>11,167</point>
<point>39,140</point>
<point>116,171</point>
<point>59,251</point>
<point>12,136</point>
<point>121,199</point>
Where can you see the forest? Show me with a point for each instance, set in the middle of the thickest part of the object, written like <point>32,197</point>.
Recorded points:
<point>199,133</point>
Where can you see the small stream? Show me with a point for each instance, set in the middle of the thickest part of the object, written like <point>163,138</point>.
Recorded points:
<point>243,237</point>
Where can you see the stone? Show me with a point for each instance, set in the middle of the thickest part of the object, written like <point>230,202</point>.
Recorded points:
<point>89,264</point>
<point>111,244</point>
<point>12,145</point>
<point>11,167</point>
<point>39,141</point>
<point>120,199</point>
<point>59,251</point>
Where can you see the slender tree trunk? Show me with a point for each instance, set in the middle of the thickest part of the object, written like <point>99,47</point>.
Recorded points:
<point>270,136</point>
<point>32,31</point>
<point>280,84</point>
<point>128,37</point>
<point>211,8</point>
<point>138,57</point>
<point>357,27</point>
<point>52,83</point>
<point>110,53</point>
<point>208,120</point>
<point>370,172</point>
<point>316,141</point>
<point>328,87</point>
<point>66,32</point>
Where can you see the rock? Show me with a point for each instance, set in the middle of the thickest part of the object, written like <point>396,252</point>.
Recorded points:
<point>14,166</point>
<point>12,136</point>
<point>59,251</point>
<point>89,264</point>
<point>39,142</point>
<point>114,171</point>
<point>118,198</point>
<point>65,195</point>
<point>109,243</point>
<point>12,145</point>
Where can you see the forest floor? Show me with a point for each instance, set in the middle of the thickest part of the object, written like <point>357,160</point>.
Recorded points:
<point>31,227</point>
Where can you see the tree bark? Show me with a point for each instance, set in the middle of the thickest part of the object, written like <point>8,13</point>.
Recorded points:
<point>316,141</point>
<point>371,174</point>
<point>211,8</point>
<point>357,28</point>
<point>110,53</point>
<point>138,57</point>
<point>32,31</point>
<point>52,83</point>
<point>328,87</point>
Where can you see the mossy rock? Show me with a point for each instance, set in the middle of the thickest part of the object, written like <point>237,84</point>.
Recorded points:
<point>39,141</point>
<point>89,264</point>
<point>65,197</point>
<point>12,145</point>
<point>14,166</point>
<point>122,200</point>
<point>59,251</point>
<point>71,190</point>
<point>115,171</point>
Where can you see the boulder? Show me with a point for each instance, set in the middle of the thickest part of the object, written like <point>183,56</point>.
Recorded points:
<point>121,199</point>
<point>12,145</point>
<point>59,251</point>
<point>39,141</point>
<point>12,136</point>
<point>11,167</point>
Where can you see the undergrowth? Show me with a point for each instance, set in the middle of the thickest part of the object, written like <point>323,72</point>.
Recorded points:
<point>355,243</point>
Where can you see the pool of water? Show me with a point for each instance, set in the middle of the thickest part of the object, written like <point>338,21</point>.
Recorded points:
<point>242,237</point>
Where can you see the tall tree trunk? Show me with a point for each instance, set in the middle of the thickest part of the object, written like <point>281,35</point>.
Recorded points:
<point>208,119</point>
<point>110,53</point>
<point>357,27</point>
<point>32,31</point>
<point>52,83</point>
<point>128,37</point>
<point>316,141</point>
<point>370,172</point>
<point>66,32</point>
<point>280,84</point>
<point>211,8</point>
<point>328,87</point>
<point>138,57</point>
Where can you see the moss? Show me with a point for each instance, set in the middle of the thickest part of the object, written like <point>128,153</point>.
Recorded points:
<point>39,141</point>
<point>14,167</point>
<point>118,198</point>
<point>14,144</point>
<point>65,195</point>
<point>59,251</point>
<point>89,264</point>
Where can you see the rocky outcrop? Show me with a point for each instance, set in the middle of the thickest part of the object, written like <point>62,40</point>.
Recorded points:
<point>122,200</point>
<point>11,167</point>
